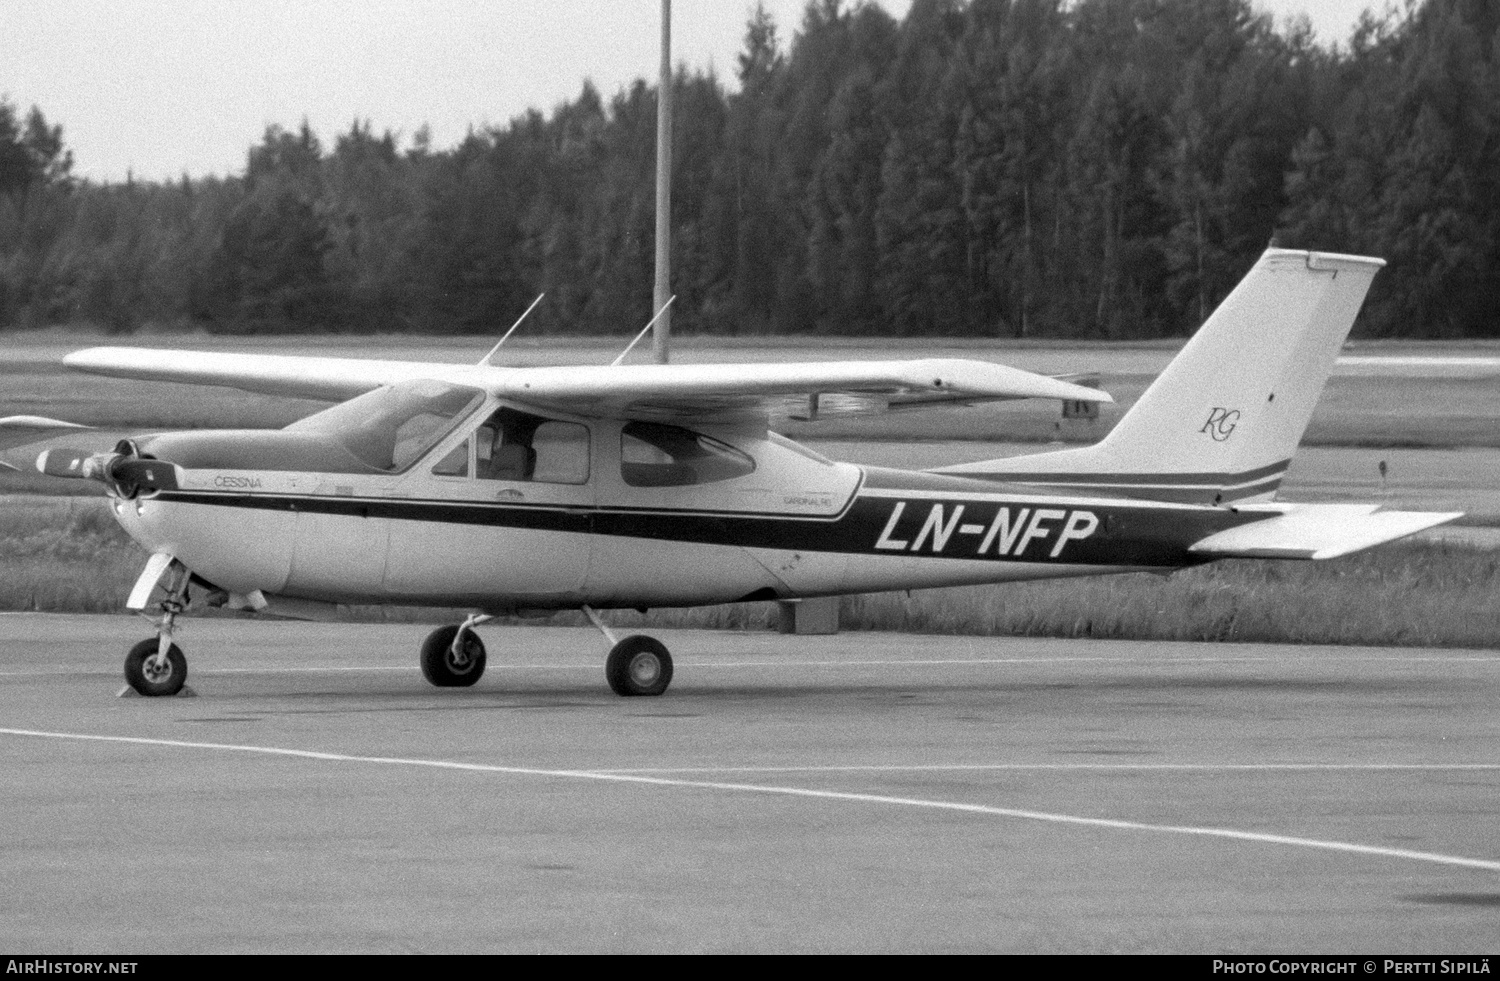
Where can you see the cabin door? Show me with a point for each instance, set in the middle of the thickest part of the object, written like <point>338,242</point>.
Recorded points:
<point>507,515</point>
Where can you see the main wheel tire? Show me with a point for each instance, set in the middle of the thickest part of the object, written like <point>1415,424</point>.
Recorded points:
<point>638,666</point>
<point>155,681</point>
<point>442,668</point>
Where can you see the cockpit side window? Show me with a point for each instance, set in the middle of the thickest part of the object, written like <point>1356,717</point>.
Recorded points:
<point>518,446</point>
<point>392,427</point>
<point>656,455</point>
<point>455,464</point>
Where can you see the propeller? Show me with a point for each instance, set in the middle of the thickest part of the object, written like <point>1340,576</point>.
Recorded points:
<point>125,472</point>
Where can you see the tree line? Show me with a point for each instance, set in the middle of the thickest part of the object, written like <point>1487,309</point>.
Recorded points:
<point>982,168</point>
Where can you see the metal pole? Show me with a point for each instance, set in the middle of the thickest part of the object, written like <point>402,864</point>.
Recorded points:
<point>661,335</point>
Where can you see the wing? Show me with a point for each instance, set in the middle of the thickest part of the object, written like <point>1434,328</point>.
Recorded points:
<point>1317,531</point>
<point>771,391</point>
<point>332,379</point>
<point>723,391</point>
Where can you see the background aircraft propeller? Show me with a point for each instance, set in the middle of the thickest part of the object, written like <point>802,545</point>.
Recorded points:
<point>20,430</point>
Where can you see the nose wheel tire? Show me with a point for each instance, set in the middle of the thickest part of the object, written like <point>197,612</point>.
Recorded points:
<point>638,666</point>
<point>444,667</point>
<point>152,677</point>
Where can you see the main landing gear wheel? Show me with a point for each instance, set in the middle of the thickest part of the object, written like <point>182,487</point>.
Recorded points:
<point>446,667</point>
<point>638,666</point>
<point>154,676</point>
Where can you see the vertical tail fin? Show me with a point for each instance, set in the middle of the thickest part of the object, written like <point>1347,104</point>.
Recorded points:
<point>1222,421</point>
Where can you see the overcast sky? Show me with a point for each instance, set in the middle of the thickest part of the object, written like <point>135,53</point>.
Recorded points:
<point>166,87</point>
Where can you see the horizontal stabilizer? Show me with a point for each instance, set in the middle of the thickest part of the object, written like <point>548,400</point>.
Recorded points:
<point>1318,531</point>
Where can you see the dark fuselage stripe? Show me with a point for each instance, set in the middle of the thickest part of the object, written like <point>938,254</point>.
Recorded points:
<point>920,525</point>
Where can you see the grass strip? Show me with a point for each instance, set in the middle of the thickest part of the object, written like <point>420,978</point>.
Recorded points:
<point>68,555</point>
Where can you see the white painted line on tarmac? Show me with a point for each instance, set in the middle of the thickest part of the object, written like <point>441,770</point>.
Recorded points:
<point>601,776</point>
<point>1065,767</point>
<point>789,663</point>
<point>1414,360</point>
<point>59,670</point>
<point>1085,659</point>
<point>328,669</point>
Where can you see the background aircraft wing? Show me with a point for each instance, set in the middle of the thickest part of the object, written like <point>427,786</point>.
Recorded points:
<point>779,391</point>
<point>332,379</point>
<point>1318,531</point>
<point>21,430</point>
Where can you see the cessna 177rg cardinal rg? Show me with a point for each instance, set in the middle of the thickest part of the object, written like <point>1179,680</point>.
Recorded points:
<point>502,489</point>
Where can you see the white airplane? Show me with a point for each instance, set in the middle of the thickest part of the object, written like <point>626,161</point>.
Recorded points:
<point>637,486</point>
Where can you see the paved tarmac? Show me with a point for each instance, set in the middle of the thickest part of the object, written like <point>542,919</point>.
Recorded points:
<point>852,793</point>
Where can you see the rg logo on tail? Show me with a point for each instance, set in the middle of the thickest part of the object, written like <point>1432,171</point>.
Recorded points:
<point>1221,423</point>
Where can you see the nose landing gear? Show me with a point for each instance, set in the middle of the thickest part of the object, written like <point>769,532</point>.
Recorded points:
<point>156,666</point>
<point>154,672</point>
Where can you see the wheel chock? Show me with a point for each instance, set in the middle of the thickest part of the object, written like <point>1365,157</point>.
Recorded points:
<point>129,692</point>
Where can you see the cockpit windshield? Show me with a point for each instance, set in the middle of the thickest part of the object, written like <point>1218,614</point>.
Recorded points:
<point>394,426</point>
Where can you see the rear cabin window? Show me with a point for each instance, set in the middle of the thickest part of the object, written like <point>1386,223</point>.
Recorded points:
<point>655,455</point>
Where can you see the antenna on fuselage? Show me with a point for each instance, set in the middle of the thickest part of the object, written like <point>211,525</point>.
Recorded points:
<point>486,359</point>
<point>665,307</point>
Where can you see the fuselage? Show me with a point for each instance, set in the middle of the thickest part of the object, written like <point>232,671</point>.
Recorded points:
<point>498,506</point>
